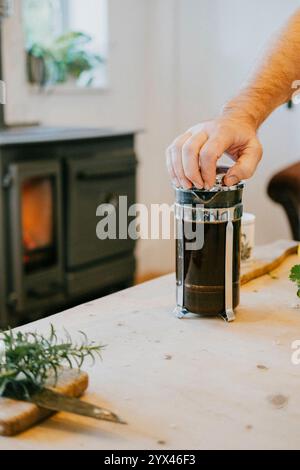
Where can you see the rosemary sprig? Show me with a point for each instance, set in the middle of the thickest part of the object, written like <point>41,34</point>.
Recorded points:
<point>28,359</point>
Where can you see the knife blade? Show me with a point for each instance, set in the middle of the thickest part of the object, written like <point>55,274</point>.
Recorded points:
<point>54,401</point>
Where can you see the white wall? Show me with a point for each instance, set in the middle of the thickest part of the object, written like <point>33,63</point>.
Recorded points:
<point>172,64</point>
<point>160,125</point>
<point>219,43</point>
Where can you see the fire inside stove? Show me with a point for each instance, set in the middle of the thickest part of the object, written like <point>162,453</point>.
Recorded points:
<point>38,223</point>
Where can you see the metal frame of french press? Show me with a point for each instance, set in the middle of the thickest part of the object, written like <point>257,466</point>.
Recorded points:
<point>204,215</point>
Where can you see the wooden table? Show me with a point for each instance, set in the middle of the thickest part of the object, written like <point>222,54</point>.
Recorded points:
<point>196,383</point>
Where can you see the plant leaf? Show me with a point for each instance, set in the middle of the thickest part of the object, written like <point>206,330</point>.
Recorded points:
<point>30,357</point>
<point>295,273</point>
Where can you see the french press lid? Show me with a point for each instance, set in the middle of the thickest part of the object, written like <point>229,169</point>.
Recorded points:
<point>219,196</point>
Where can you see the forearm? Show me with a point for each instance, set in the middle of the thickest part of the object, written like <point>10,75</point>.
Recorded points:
<point>272,82</point>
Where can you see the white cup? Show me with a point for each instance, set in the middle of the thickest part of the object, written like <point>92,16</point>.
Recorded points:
<point>248,237</point>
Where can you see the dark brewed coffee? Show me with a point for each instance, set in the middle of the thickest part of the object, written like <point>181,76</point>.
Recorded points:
<point>204,271</point>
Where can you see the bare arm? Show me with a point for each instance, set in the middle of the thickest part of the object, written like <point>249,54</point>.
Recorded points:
<point>272,82</point>
<point>192,157</point>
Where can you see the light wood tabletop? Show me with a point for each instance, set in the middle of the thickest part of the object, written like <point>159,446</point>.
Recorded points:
<point>197,383</point>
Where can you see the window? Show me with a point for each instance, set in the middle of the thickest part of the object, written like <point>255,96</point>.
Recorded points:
<point>66,41</point>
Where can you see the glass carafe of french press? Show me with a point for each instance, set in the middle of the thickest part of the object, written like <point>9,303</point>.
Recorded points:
<point>208,249</point>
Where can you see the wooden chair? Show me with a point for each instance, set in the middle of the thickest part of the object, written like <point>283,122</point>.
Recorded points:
<point>284,188</point>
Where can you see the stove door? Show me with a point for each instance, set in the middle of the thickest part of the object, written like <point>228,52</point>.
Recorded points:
<point>92,182</point>
<point>36,234</point>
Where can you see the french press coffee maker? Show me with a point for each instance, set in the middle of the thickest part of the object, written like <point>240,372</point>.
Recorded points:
<point>208,224</point>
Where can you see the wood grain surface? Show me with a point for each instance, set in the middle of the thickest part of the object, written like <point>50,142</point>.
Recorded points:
<point>196,383</point>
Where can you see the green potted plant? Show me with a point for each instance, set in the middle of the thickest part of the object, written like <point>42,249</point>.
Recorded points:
<point>66,58</point>
<point>37,57</point>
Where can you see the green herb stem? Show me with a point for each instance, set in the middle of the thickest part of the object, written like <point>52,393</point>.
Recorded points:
<point>28,359</point>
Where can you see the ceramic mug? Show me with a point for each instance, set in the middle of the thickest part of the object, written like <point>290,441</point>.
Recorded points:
<point>248,237</point>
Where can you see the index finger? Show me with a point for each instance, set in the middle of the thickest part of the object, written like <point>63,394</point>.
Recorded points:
<point>191,159</point>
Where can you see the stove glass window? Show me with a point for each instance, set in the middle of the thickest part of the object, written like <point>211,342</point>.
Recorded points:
<point>38,223</point>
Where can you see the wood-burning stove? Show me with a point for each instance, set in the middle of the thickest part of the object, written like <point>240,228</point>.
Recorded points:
<point>53,180</point>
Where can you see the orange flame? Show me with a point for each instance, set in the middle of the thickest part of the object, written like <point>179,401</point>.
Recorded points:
<point>37,213</point>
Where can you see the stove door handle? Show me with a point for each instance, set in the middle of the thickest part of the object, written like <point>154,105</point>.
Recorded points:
<point>53,289</point>
<point>89,175</point>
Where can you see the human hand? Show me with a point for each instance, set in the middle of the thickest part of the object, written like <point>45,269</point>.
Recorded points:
<point>192,157</point>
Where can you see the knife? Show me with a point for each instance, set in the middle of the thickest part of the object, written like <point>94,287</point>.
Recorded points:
<point>54,401</point>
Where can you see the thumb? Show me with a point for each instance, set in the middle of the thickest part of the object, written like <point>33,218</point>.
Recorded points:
<point>246,164</point>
